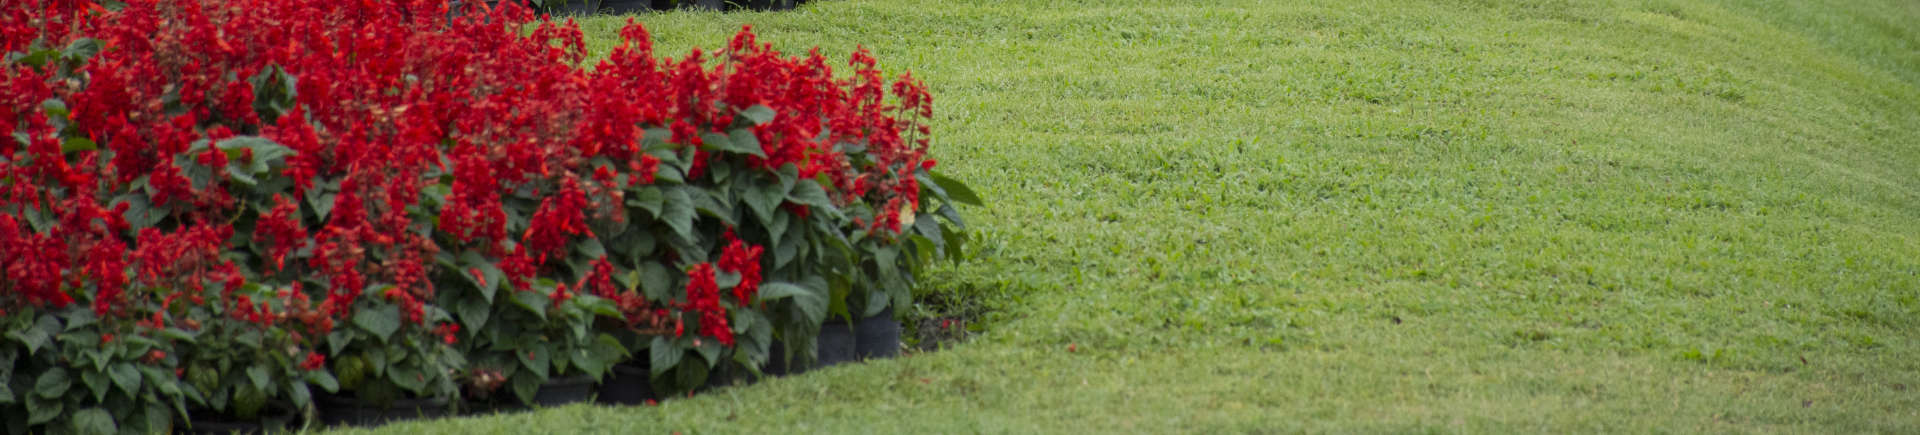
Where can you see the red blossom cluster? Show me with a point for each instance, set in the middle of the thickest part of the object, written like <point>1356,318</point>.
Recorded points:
<point>744,260</point>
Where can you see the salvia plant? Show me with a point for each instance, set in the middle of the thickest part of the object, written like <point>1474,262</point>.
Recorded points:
<point>221,207</point>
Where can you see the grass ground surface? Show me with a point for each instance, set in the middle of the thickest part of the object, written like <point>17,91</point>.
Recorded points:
<point>1384,216</point>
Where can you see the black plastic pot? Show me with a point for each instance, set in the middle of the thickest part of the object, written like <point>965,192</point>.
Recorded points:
<point>351,411</point>
<point>770,5</point>
<point>210,423</point>
<point>722,375</point>
<point>712,5</point>
<point>620,7</point>
<point>628,384</point>
<point>578,8</point>
<point>877,336</point>
<point>838,343</point>
<point>562,391</point>
<point>835,345</point>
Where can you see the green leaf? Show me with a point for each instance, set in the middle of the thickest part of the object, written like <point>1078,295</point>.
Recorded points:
<point>535,356</point>
<point>321,200</point>
<point>82,49</point>
<point>886,259</point>
<point>714,140</point>
<point>38,335</point>
<point>274,91</point>
<point>812,304</point>
<point>656,281</point>
<point>55,109</point>
<point>98,383</point>
<point>759,114</point>
<point>598,305</point>
<point>709,350</point>
<point>956,190</point>
<point>92,421</point>
<point>299,394</point>
<point>929,232</point>
<point>876,302</point>
<point>590,249</point>
<point>53,383</point>
<point>77,144</point>
<point>141,213</point>
<point>324,380</point>
<point>473,312</point>
<point>809,192</point>
<point>664,355</point>
<point>242,176</point>
<point>490,279</point>
<point>258,374</point>
<point>155,419</point>
<point>636,243</point>
<point>534,302</point>
<point>99,357</point>
<point>525,387</point>
<point>788,248</point>
<point>653,141</point>
<point>35,58</point>
<point>649,198</point>
<point>678,214</point>
<point>762,334</point>
<point>692,376</point>
<point>381,321</point>
<point>713,203</point>
<point>7,357</point>
<point>42,410</point>
<point>408,378</point>
<point>764,198</point>
<point>250,339</point>
<point>742,140</point>
<point>126,377</point>
<point>264,150</point>
<point>352,371</point>
<point>248,401</point>
<point>161,380</point>
<point>177,334</point>
<point>338,340</point>
<point>777,228</point>
<point>606,350</point>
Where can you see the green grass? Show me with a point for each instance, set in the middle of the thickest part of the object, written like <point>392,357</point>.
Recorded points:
<point>1404,216</point>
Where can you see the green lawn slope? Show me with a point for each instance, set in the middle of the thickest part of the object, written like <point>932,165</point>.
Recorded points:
<point>1384,216</point>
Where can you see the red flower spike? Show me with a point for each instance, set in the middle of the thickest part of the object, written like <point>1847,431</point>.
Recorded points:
<point>314,361</point>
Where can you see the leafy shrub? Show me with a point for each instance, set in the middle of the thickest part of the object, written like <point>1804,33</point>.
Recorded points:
<point>381,201</point>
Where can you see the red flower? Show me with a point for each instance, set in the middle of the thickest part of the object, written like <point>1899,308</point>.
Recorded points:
<point>743,259</point>
<point>559,217</point>
<point>447,332</point>
<point>280,229</point>
<point>703,297</point>
<point>314,361</point>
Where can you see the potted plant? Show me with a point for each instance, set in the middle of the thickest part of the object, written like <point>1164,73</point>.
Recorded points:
<point>899,214</point>
<point>539,344</point>
<point>68,369</point>
<point>252,365</point>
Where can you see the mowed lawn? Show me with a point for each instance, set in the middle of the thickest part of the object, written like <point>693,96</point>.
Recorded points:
<point>1383,216</point>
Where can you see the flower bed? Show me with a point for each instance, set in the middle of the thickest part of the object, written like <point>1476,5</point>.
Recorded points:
<point>208,208</point>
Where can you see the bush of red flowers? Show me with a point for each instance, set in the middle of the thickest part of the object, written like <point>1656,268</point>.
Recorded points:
<point>210,207</point>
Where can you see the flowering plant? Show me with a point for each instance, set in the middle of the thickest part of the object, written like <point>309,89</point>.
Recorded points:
<point>375,199</point>
<point>70,369</point>
<point>251,347</point>
<point>518,338</point>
